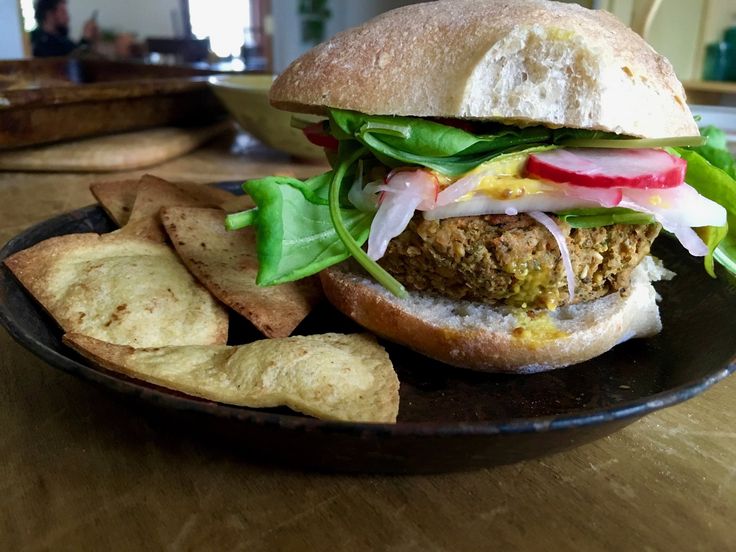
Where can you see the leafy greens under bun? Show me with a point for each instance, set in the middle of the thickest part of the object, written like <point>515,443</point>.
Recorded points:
<point>519,62</point>
<point>509,159</point>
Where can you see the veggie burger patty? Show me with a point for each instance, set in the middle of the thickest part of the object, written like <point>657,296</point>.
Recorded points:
<point>513,260</point>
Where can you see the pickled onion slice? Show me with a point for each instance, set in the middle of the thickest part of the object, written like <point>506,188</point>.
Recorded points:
<point>405,191</point>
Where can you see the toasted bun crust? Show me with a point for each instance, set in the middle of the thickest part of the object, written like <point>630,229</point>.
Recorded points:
<point>520,62</point>
<point>481,337</point>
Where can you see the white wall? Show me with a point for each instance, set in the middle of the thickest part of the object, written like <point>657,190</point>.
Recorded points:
<point>145,18</point>
<point>11,39</point>
<point>287,44</point>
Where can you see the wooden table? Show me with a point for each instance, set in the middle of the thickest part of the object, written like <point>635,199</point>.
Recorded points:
<point>81,469</point>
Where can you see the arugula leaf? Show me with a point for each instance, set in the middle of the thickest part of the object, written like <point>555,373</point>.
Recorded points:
<point>603,216</point>
<point>717,185</point>
<point>296,237</point>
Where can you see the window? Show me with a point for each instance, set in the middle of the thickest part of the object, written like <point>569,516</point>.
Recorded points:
<point>28,13</point>
<point>227,23</point>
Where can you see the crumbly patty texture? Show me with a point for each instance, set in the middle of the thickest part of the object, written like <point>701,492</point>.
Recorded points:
<point>513,260</point>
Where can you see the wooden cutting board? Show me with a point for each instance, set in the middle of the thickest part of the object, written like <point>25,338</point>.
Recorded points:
<point>116,152</point>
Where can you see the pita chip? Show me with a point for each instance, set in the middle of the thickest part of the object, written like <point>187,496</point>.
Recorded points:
<point>116,197</point>
<point>155,193</point>
<point>226,263</point>
<point>121,289</point>
<point>329,376</point>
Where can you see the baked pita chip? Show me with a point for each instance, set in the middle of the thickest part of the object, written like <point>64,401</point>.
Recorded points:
<point>226,263</point>
<point>116,198</point>
<point>329,376</point>
<point>155,193</point>
<point>121,289</point>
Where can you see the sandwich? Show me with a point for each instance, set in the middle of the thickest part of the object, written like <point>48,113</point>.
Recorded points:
<point>500,170</point>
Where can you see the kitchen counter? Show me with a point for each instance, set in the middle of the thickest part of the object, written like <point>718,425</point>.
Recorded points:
<point>83,469</point>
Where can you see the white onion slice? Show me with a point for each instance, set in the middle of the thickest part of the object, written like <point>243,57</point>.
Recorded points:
<point>459,188</point>
<point>605,197</point>
<point>682,204</point>
<point>684,234</point>
<point>550,225</point>
<point>391,219</point>
<point>484,204</point>
<point>364,198</point>
<point>403,193</point>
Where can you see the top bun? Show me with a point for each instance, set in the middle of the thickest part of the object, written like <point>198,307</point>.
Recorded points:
<point>520,62</point>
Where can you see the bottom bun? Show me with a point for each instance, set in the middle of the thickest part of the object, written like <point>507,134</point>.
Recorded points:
<point>500,339</point>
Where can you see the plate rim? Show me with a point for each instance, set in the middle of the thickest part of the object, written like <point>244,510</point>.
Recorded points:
<point>161,396</point>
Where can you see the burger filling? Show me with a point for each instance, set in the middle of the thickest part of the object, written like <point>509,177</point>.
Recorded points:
<point>530,217</point>
<point>501,259</point>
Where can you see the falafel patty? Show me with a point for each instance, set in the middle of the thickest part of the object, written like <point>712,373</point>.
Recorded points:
<point>513,260</point>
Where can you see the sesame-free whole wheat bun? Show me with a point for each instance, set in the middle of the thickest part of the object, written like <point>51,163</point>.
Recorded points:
<point>520,62</point>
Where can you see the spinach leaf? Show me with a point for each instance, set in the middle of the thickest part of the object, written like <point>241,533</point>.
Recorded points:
<point>713,236</point>
<point>449,150</point>
<point>296,237</point>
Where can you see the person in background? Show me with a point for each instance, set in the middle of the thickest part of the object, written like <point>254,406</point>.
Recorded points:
<point>51,37</point>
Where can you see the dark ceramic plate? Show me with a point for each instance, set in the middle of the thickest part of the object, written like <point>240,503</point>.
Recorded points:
<point>449,419</point>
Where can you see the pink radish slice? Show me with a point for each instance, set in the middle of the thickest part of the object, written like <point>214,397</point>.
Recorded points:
<point>608,168</point>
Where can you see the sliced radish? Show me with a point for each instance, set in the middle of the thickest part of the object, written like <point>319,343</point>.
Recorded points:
<point>601,168</point>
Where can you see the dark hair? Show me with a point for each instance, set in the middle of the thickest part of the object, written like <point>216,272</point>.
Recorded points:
<point>42,7</point>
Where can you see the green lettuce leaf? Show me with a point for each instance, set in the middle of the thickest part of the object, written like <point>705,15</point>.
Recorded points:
<point>713,236</point>
<point>717,185</point>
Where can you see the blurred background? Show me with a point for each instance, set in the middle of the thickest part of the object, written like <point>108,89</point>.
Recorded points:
<point>698,36</point>
<point>111,51</point>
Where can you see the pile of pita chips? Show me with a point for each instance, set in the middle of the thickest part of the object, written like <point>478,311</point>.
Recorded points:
<point>118,197</point>
<point>154,193</point>
<point>224,262</point>
<point>329,376</point>
<point>120,289</point>
<point>128,303</point>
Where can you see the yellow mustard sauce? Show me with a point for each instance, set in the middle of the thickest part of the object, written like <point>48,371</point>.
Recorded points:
<point>535,330</point>
<point>502,179</point>
<point>531,286</point>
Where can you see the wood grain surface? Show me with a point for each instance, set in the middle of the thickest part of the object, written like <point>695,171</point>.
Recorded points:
<point>83,469</point>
